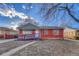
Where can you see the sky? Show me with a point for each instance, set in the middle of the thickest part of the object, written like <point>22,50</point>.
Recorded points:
<point>11,14</point>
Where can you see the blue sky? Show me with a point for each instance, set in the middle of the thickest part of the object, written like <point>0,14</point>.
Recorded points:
<point>20,11</point>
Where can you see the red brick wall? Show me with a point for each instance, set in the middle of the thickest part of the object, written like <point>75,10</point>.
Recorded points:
<point>7,35</point>
<point>50,34</point>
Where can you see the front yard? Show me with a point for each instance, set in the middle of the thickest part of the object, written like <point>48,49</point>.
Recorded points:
<point>4,47</point>
<point>51,48</point>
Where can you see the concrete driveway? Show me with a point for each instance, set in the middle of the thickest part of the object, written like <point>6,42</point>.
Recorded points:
<point>51,48</point>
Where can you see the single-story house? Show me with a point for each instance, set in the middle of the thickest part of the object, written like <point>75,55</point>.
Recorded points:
<point>7,33</point>
<point>31,31</point>
<point>77,35</point>
<point>71,33</point>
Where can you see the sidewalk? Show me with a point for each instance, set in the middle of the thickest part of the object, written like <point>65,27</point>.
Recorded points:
<point>72,40</point>
<point>7,40</point>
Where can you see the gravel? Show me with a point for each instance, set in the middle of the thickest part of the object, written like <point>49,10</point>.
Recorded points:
<point>51,48</point>
<point>4,47</point>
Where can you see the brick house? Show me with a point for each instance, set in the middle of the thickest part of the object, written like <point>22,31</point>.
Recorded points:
<point>31,31</point>
<point>7,33</point>
<point>71,33</point>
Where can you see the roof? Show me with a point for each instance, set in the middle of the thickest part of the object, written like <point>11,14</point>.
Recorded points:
<point>3,28</point>
<point>68,27</point>
<point>6,29</point>
<point>30,26</point>
<point>50,27</point>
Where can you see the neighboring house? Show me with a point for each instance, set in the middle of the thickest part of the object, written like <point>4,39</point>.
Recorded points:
<point>77,35</point>
<point>71,33</point>
<point>7,33</point>
<point>42,32</point>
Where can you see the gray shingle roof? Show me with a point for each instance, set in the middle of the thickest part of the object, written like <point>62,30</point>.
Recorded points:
<point>6,29</point>
<point>50,27</point>
<point>30,26</point>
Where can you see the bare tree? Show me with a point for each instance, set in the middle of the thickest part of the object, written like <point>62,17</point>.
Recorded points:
<point>50,10</point>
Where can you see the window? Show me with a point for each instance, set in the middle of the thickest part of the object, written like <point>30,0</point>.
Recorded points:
<point>27,32</point>
<point>46,32</point>
<point>0,32</point>
<point>12,32</point>
<point>56,32</point>
<point>77,33</point>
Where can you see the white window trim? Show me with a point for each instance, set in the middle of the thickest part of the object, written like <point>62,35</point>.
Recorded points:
<point>46,32</point>
<point>55,32</point>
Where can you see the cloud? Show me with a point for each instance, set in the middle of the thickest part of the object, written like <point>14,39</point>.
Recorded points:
<point>24,7</point>
<point>14,25</point>
<point>27,8</point>
<point>11,12</point>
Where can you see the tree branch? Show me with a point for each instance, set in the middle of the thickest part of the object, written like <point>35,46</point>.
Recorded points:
<point>69,12</point>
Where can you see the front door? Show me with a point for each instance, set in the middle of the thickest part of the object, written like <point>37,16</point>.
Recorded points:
<point>37,34</point>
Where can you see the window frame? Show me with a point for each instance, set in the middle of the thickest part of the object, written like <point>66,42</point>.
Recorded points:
<point>56,32</point>
<point>45,32</point>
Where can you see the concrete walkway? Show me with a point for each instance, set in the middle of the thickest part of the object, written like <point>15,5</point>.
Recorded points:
<point>6,40</point>
<point>13,51</point>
